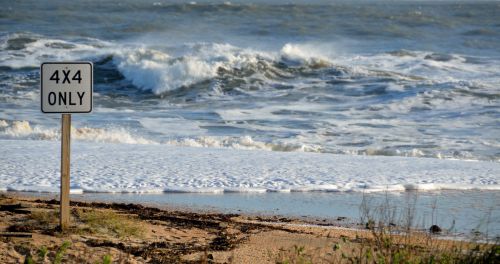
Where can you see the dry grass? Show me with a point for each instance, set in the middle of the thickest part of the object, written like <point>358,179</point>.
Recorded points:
<point>371,251</point>
<point>109,222</point>
<point>92,221</point>
<point>45,217</point>
<point>393,239</point>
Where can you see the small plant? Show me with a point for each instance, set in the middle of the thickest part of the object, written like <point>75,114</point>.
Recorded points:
<point>297,255</point>
<point>42,253</point>
<point>61,251</point>
<point>29,260</point>
<point>107,259</point>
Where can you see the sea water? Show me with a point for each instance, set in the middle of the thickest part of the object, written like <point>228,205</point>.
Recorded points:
<point>257,96</point>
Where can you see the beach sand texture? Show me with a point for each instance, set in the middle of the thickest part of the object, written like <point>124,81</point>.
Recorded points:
<point>128,233</point>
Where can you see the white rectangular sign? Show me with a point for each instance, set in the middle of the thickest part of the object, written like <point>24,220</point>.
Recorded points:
<point>66,87</point>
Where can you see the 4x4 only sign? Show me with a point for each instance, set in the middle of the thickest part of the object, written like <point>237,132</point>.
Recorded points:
<point>66,87</point>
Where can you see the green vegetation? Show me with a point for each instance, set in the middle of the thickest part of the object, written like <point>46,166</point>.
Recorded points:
<point>42,253</point>
<point>107,259</point>
<point>56,256</point>
<point>90,221</point>
<point>110,223</point>
<point>61,251</point>
<point>29,260</point>
<point>87,221</point>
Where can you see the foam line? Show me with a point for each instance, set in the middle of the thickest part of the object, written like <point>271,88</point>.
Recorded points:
<point>99,167</point>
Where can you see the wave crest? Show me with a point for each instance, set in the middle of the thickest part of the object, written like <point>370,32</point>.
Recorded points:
<point>24,130</point>
<point>160,72</point>
<point>27,50</point>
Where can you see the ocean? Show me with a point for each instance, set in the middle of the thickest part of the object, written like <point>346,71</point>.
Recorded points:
<point>388,78</point>
<point>257,96</point>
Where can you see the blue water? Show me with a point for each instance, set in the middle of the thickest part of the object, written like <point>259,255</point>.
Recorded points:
<point>409,78</point>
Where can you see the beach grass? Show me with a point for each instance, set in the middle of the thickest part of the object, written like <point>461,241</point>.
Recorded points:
<point>371,251</point>
<point>393,238</point>
<point>108,222</point>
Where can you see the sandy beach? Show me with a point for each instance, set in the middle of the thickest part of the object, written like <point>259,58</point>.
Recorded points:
<point>132,233</point>
<point>165,236</point>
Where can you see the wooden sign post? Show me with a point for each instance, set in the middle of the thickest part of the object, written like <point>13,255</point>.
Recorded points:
<point>65,169</point>
<point>66,88</point>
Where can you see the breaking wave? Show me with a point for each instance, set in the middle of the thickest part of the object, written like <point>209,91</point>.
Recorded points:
<point>28,50</point>
<point>23,130</point>
<point>225,66</point>
<point>313,98</point>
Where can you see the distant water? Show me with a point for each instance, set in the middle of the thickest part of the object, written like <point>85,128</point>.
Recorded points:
<point>397,78</point>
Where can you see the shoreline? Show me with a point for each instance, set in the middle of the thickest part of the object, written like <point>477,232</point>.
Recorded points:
<point>174,236</point>
<point>264,216</point>
<point>451,210</point>
<point>186,222</point>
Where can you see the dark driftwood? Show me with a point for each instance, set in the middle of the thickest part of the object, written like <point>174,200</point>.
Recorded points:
<point>14,208</point>
<point>15,234</point>
<point>10,207</point>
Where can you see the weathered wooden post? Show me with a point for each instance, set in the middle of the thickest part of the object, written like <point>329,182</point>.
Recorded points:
<point>65,169</point>
<point>66,88</point>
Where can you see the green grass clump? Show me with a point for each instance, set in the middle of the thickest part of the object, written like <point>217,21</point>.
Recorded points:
<point>43,255</point>
<point>61,251</point>
<point>109,222</point>
<point>42,252</point>
<point>107,259</point>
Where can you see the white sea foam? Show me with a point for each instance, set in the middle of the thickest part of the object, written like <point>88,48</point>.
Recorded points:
<point>40,49</point>
<point>190,137</point>
<point>160,72</point>
<point>435,68</point>
<point>97,167</point>
<point>24,130</point>
<point>310,54</point>
<point>245,142</point>
<point>300,108</point>
<point>169,68</point>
